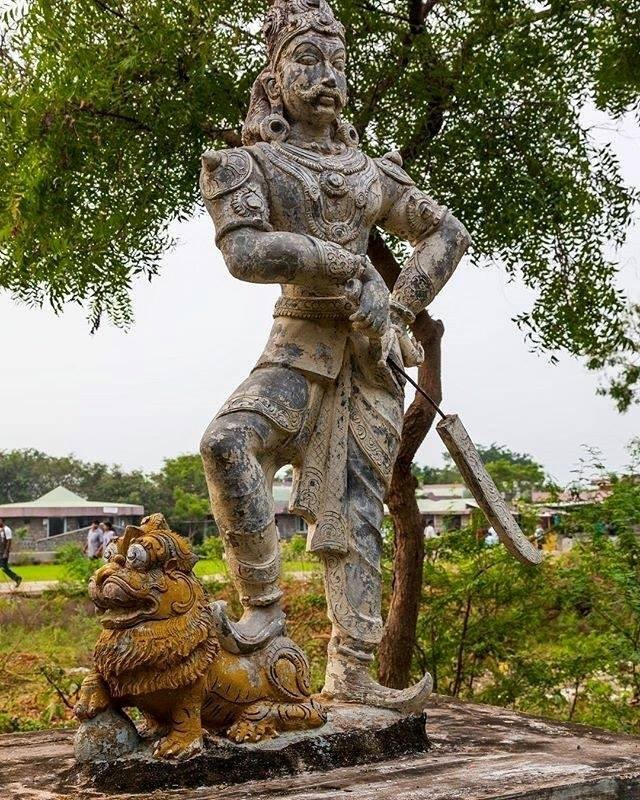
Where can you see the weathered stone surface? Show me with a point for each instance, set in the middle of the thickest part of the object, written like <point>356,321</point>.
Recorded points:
<point>295,206</point>
<point>106,737</point>
<point>477,753</point>
<point>353,735</point>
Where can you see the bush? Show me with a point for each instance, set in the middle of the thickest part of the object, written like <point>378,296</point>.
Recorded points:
<point>559,640</point>
<point>77,567</point>
<point>294,551</point>
<point>212,549</point>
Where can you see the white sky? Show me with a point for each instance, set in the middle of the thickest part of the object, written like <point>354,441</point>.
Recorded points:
<point>137,397</point>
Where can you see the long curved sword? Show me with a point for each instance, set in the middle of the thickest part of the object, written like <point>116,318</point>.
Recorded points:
<point>480,483</point>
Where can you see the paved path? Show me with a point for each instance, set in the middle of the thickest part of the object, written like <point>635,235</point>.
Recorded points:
<point>27,587</point>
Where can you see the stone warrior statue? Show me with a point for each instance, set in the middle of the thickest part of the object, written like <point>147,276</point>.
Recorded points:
<point>294,206</point>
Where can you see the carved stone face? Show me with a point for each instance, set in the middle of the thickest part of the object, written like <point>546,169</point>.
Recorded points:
<point>311,78</point>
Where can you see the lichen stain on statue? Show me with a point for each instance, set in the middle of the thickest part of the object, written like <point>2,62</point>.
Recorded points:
<point>294,206</point>
<point>159,652</point>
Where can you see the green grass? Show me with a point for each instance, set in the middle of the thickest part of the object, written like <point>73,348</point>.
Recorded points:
<point>210,566</point>
<point>55,572</point>
<point>37,572</point>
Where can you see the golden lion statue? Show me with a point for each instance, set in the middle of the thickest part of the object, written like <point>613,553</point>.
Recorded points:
<point>159,652</point>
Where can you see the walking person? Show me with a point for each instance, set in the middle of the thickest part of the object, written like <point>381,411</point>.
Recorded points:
<point>108,534</point>
<point>93,547</point>
<point>6,536</point>
<point>491,538</point>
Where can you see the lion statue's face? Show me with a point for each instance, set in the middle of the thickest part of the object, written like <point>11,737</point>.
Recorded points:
<point>148,576</point>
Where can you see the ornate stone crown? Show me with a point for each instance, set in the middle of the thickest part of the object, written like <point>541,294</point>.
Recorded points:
<point>289,18</point>
<point>286,19</point>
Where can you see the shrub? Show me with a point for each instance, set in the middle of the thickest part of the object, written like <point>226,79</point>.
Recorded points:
<point>77,567</point>
<point>212,548</point>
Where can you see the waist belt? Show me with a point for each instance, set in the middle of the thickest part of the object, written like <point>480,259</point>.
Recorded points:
<point>313,307</point>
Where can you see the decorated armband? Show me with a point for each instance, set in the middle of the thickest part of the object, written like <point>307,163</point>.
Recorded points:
<point>337,264</point>
<point>408,212</point>
<point>413,290</point>
<point>234,191</point>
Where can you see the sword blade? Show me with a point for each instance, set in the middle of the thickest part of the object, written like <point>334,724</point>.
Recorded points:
<point>481,485</point>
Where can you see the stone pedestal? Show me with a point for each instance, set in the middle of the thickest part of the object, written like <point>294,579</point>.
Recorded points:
<point>476,753</point>
<point>353,735</point>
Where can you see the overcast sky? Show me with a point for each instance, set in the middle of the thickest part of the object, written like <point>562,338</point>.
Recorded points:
<point>137,397</point>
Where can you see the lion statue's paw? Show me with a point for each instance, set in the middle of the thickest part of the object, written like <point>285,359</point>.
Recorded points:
<point>245,731</point>
<point>93,698</point>
<point>150,728</point>
<point>178,746</point>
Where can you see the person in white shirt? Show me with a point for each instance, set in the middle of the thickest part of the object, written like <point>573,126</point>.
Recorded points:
<point>430,531</point>
<point>108,534</point>
<point>6,536</point>
<point>93,547</point>
<point>491,538</point>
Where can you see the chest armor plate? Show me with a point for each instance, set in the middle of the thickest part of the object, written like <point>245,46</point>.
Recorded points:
<point>335,198</point>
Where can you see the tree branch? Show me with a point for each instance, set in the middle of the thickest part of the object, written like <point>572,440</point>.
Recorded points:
<point>230,136</point>
<point>426,130</point>
<point>367,6</point>
<point>49,679</point>
<point>417,11</point>
<point>502,26</point>
<point>114,12</point>
<point>88,108</point>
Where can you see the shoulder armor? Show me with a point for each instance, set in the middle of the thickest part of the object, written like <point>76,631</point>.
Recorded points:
<point>391,165</point>
<point>223,171</point>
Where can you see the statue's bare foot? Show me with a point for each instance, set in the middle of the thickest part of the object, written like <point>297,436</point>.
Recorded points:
<point>256,627</point>
<point>178,745</point>
<point>246,731</point>
<point>348,680</point>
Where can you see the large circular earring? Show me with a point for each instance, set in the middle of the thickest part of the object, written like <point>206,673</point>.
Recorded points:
<point>346,133</point>
<point>274,128</point>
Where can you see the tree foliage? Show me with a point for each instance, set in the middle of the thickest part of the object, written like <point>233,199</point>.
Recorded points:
<point>621,366</point>
<point>178,490</point>
<point>560,640</point>
<point>107,104</point>
<point>515,474</point>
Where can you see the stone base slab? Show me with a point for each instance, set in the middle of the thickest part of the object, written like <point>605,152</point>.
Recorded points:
<point>353,734</point>
<point>477,753</point>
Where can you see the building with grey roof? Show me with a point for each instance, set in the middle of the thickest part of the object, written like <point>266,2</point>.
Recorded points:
<point>46,521</point>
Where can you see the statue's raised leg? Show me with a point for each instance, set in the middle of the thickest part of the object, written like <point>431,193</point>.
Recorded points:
<point>241,450</point>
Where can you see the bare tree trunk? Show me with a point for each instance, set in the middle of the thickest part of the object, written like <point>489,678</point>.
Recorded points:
<point>396,648</point>
<point>457,683</point>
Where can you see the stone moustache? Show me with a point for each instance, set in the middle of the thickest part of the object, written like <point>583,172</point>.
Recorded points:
<point>159,652</point>
<point>295,206</point>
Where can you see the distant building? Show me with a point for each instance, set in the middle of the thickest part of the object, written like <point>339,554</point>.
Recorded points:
<point>288,524</point>
<point>61,511</point>
<point>443,491</point>
<point>449,506</point>
<point>552,508</point>
<point>448,514</point>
